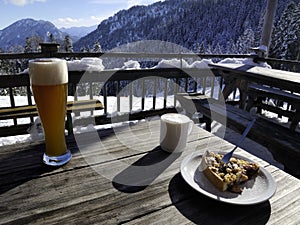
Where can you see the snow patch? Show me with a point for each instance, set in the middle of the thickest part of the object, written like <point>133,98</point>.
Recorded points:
<point>172,63</point>
<point>94,64</point>
<point>131,64</point>
<point>247,61</point>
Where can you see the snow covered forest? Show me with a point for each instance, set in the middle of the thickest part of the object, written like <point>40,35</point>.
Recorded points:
<point>201,26</point>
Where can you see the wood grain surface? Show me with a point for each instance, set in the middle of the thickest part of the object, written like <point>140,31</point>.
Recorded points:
<point>90,188</point>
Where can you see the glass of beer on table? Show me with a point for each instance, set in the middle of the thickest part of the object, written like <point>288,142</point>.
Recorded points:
<point>49,81</point>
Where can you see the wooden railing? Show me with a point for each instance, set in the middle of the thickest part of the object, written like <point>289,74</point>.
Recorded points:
<point>165,82</point>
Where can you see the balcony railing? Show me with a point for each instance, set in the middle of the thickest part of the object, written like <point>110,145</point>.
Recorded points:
<point>135,86</point>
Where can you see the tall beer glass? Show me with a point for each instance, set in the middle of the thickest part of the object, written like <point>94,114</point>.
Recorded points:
<point>49,81</point>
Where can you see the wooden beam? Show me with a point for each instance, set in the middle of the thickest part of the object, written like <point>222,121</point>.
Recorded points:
<point>268,25</point>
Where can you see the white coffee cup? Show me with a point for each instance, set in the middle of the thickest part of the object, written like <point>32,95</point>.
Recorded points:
<point>174,130</point>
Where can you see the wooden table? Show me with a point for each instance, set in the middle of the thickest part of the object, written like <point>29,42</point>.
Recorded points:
<point>238,76</point>
<point>90,189</point>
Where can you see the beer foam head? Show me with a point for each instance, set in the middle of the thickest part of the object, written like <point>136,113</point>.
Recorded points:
<point>175,118</point>
<point>48,71</point>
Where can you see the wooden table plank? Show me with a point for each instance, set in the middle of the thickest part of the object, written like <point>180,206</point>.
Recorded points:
<point>79,193</point>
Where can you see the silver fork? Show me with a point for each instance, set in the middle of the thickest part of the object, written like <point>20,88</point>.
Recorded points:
<point>228,155</point>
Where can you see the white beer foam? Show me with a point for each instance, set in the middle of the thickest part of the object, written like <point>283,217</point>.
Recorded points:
<point>48,71</point>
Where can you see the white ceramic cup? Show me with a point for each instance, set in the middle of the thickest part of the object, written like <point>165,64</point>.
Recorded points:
<point>174,130</point>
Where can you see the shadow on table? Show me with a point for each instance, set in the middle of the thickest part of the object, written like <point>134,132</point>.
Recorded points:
<point>22,164</point>
<point>202,210</point>
<point>144,171</point>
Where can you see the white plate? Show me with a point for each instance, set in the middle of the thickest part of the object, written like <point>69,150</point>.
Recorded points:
<point>256,190</point>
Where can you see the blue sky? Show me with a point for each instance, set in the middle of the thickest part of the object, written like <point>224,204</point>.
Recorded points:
<point>64,13</point>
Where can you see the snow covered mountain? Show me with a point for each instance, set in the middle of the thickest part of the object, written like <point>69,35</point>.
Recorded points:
<point>204,26</point>
<point>16,33</point>
<point>211,25</point>
<point>78,32</point>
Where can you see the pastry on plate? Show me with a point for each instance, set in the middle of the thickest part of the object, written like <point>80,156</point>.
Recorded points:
<point>227,176</point>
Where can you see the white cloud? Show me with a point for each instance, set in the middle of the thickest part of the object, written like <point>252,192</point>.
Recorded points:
<point>133,2</point>
<point>22,2</point>
<point>129,3</point>
<point>66,22</point>
<point>77,22</point>
<point>96,18</point>
<point>105,1</point>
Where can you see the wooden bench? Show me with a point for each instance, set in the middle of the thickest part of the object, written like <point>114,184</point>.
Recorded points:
<point>30,111</point>
<point>257,93</point>
<point>282,142</point>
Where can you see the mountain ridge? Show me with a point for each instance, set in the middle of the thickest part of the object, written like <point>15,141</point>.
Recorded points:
<point>15,35</point>
<point>203,26</point>
<point>77,32</point>
<point>217,25</point>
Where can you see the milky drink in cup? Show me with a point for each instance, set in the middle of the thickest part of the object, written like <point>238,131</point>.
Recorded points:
<point>174,131</point>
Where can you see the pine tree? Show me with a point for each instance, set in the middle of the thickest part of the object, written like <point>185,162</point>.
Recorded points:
<point>28,45</point>
<point>51,38</point>
<point>208,49</point>
<point>218,49</point>
<point>201,48</point>
<point>68,44</point>
<point>231,47</point>
<point>293,45</point>
<point>35,42</point>
<point>97,47</point>
<point>245,41</point>
<point>83,49</point>
<point>286,37</point>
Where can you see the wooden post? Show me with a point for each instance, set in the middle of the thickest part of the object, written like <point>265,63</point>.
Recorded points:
<point>49,48</point>
<point>268,25</point>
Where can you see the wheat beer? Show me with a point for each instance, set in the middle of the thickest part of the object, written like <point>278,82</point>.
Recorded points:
<point>49,81</point>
